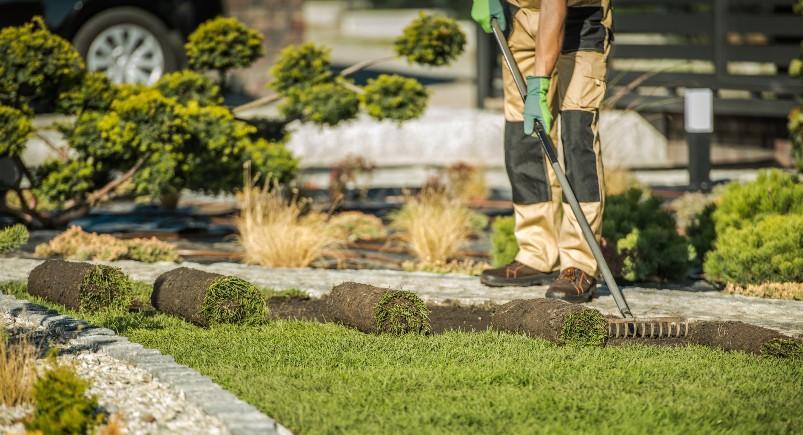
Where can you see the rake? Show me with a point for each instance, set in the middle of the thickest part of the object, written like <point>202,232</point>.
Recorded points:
<point>628,326</point>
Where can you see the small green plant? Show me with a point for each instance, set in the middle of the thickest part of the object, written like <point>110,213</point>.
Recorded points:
<point>744,204</point>
<point>11,238</point>
<point>62,403</point>
<point>354,226</point>
<point>222,44</point>
<point>431,40</point>
<point>770,250</point>
<point>233,300</point>
<point>15,128</point>
<point>504,246</point>
<point>35,64</point>
<point>394,97</point>
<point>190,86</point>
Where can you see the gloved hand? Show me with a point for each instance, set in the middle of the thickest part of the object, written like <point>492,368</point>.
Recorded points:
<point>536,105</point>
<point>483,10</point>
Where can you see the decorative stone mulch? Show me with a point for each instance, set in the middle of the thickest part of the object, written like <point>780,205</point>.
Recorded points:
<point>700,302</point>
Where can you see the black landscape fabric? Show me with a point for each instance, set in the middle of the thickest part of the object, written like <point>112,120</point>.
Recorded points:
<point>181,292</point>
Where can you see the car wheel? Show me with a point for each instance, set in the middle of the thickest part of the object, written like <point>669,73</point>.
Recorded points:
<point>129,44</point>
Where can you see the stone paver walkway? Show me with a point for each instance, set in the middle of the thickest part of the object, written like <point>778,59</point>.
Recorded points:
<point>784,316</point>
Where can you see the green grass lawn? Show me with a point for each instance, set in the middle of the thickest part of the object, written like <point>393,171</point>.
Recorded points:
<point>323,378</point>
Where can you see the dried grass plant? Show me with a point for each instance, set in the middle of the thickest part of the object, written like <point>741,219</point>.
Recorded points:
<point>275,231</point>
<point>17,371</point>
<point>434,225</point>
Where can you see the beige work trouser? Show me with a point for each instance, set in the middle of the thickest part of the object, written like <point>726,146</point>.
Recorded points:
<point>548,234</point>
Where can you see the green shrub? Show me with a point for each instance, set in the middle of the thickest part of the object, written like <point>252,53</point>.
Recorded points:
<point>322,104</point>
<point>769,250</point>
<point>190,86</point>
<point>701,232</point>
<point>646,237</point>
<point>11,238</point>
<point>60,181</point>
<point>743,204</point>
<point>35,64</point>
<point>15,127</point>
<point>394,97</point>
<point>62,404</point>
<point>504,246</point>
<point>431,40</point>
<point>301,66</point>
<point>95,92</point>
<point>222,44</point>
<point>273,160</point>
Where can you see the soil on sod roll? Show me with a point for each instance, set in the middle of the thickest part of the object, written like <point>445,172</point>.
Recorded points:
<point>557,321</point>
<point>739,336</point>
<point>205,298</point>
<point>80,286</point>
<point>378,310</point>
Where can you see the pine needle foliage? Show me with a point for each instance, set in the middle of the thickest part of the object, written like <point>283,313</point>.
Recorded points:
<point>13,237</point>
<point>432,40</point>
<point>62,403</point>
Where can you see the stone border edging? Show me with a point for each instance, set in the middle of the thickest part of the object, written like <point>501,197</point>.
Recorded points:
<point>236,415</point>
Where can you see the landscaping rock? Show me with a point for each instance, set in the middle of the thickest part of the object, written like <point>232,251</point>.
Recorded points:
<point>378,310</point>
<point>557,321</point>
<point>207,298</point>
<point>78,285</point>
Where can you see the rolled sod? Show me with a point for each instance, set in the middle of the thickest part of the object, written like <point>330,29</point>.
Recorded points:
<point>205,298</point>
<point>739,336</point>
<point>81,286</point>
<point>378,310</point>
<point>557,321</point>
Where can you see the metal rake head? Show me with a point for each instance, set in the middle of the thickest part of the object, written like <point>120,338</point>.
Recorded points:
<point>660,327</point>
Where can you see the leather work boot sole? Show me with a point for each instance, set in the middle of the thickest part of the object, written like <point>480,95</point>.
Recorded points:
<point>515,274</point>
<point>573,286</point>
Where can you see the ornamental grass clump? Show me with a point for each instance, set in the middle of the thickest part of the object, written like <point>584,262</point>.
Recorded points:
<point>208,299</point>
<point>17,371</point>
<point>63,405</point>
<point>354,226</point>
<point>276,232</point>
<point>431,40</point>
<point>395,98</point>
<point>81,286</point>
<point>378,310</point>
<point>13,237</point>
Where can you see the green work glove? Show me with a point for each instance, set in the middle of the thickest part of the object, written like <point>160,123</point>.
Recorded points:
<point>536,105</point>
<point>483,10</point>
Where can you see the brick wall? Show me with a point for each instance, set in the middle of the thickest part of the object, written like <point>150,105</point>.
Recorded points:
<point>281,21</point>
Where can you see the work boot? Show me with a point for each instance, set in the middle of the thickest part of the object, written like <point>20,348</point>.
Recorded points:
<point>573,285</point>
<point>515,274</point>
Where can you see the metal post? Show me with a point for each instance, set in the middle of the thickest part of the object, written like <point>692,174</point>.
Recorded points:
<point>699,124</point>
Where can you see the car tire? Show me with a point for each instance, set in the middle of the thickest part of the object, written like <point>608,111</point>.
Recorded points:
<point>126,19</point>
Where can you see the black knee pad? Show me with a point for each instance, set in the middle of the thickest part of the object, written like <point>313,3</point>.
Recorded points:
<point>524,161</point>
<point>578,138</point>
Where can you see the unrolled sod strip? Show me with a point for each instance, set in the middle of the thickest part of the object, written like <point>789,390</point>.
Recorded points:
<point>82,286</point>
<point>557,321</point>
<point>739,336</point>
<point>378,310</point>
<point>207,298</point>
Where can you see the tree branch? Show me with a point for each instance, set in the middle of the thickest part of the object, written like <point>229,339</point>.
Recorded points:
<point>359,66</point>
<point>61,151</point>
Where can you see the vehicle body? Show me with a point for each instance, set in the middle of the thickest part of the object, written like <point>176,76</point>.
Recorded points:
<point>133,41</point>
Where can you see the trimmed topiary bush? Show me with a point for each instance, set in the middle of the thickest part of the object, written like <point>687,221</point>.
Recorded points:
<point>94,93</point>
<point>301,66</point>
<point>35,64</point>
<point>322,104</point>
<point>190,86</point>
<point>504,246</point>
<point>431,40</point>
<point>770,250</point>
<point>744,204</point>
<point>11,238</point>
<point>62,404</point>
<point>222,44</point>
<point>15,128</point>
<point>394,97</point>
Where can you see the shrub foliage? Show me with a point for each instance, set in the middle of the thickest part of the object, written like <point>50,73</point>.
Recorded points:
<point>743,204</point>
<point>504,246</point>
<point>431,40</point>
<point>15,127</point>
<point>222,44</point>
<point>62,406</point>
<point>394,97</point>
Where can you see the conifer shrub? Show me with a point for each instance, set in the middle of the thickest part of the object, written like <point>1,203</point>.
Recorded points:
<point>35,64</point>
<point>13,237</point>
<point>322,104</point>
<point>744,204</point>
<point>190,86</point>
<point>15,128</point>
<point>62,403</point>
<point>222,44</point>
<point>395,98</point>
<point>431,40</point>
<point>94,93</point>
<point>504,246</point>
<point>770,250</point>
<point>301,66</point>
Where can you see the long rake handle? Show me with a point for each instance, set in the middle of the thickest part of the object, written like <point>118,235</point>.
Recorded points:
<point>568,192</point>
